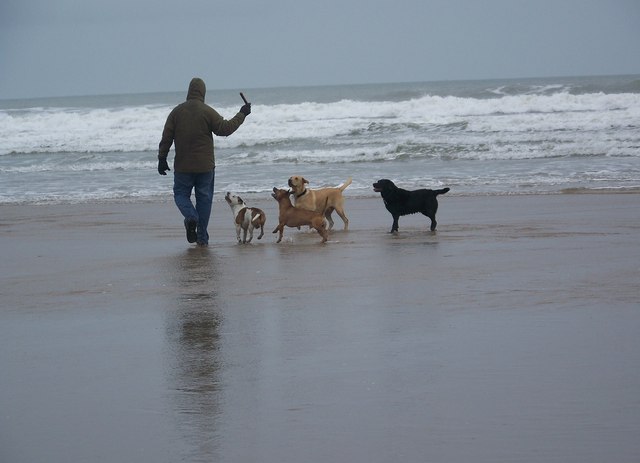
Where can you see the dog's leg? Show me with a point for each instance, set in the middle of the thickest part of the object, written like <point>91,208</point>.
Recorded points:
<point>327,214</point>
<point>244,235</point>
<point>394,227</point>
<point>343,216</point>
<point>432,217</point>
<point>261,232</point>
<point>279,228</point>
<point>238,233</point>
<point>250,232</point>
<point>322,231</point>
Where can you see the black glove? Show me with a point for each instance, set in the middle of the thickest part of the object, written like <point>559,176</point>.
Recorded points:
<point>246,109</point>
<point>163,167</point>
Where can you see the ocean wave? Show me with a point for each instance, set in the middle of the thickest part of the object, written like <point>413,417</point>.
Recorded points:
<point>517,89</point>
<point>138,129</point>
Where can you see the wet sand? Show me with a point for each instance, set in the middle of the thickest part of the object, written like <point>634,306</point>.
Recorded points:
<point>509,335</point>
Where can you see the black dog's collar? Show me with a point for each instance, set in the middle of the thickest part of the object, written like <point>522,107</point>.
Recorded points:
<point>302,194</point>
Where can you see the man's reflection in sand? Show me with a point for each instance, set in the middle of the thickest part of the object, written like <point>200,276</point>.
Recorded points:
<point>194,350</point>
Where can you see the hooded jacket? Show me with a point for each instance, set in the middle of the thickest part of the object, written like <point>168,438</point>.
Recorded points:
<point>190,126</point>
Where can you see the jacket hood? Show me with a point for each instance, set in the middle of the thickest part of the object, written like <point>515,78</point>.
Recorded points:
<point>197,89</point>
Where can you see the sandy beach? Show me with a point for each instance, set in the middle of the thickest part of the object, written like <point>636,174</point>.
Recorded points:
<point>510,334</point>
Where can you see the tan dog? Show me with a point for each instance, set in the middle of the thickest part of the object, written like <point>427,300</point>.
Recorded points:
<point>292,216</point>
<point>245,218</point>
<point>324,200</point>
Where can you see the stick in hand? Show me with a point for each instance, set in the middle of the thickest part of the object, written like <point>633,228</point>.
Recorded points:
<point>246,109</point>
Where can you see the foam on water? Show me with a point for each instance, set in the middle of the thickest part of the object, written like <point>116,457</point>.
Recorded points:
<point>54,130</point>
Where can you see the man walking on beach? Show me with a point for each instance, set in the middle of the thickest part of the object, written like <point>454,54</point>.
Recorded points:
<point>189,126</point>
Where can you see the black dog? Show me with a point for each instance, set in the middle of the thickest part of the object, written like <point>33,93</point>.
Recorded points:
<point>402,202</point>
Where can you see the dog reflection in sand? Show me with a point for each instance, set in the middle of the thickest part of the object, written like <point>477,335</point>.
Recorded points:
<point>291,216</point>
<point>322,200</point>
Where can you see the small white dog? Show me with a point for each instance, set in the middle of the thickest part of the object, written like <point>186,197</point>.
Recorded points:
<point>245,218</point>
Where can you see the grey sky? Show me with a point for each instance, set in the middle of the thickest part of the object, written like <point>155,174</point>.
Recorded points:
<point>79,47</point>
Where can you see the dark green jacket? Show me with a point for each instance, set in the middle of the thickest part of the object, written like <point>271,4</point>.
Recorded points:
<point>189,126</point>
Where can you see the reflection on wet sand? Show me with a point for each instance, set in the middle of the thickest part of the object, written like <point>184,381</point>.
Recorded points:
<point>194,356</point>
<point>510,335</point>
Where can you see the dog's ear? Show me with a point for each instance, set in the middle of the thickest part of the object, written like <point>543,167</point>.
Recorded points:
<point>275,189</point>
<point>289,192</point>
<point>304,180</point>
<point>240,200</point>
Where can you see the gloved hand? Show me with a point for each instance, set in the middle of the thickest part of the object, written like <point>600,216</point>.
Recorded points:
<point>246,109</point>
<point>163,167</point>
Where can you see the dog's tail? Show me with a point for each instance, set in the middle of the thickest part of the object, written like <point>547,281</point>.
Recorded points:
<point>440,192</point>
<point>345,184</point>
<point>256,218</point>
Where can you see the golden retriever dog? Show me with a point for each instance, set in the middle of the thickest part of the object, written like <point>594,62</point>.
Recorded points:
<point>322,199</point>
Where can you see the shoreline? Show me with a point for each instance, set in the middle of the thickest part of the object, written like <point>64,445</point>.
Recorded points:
<point>263,196</point>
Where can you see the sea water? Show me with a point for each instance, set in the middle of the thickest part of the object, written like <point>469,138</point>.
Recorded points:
<point>513,136</point>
